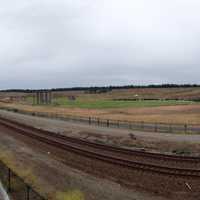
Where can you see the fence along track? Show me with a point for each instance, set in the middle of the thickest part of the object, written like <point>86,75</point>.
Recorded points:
<point>124,151</point>
<point>132,125</point>
<point>16,187</point>
<point>52,139</point>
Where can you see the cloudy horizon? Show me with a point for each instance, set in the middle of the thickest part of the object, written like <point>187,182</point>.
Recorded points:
<point>72,43</point>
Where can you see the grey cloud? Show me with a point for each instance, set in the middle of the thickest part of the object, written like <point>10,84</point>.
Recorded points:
<point>98,42</point>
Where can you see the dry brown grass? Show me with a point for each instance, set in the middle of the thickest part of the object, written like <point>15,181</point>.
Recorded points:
<point>169,114</point>
<point>27,173</point>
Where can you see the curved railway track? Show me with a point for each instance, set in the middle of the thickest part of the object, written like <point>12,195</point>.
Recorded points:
<point>112,155</point>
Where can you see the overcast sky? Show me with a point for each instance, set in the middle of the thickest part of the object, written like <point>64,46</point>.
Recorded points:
<point>67,43</point>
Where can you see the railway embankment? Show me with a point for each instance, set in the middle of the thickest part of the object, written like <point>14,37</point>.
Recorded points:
<point>92,158</point>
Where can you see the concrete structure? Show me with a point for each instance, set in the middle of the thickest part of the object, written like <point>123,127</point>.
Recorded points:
<point>43,97</point>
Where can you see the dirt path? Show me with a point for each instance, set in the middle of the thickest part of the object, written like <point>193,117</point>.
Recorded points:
<point>152,141</point>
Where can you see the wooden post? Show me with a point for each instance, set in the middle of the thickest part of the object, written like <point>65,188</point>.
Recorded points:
<point>89,120</point>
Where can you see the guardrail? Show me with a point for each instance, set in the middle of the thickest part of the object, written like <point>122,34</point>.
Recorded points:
<point>16,186</point>
<point>132,125</point>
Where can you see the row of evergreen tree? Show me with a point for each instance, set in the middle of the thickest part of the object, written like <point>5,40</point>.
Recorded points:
<point>105,88</point>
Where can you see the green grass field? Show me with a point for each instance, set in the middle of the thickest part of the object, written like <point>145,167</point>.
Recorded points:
<point>106,104</point>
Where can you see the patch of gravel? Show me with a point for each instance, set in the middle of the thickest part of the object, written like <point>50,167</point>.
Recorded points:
<point>53,175</point>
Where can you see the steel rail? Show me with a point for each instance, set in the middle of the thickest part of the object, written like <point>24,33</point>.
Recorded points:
<point>61,142</point>
<point>131,152</point>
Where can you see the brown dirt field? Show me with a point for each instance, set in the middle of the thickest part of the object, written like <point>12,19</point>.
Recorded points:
<point>170,114</point>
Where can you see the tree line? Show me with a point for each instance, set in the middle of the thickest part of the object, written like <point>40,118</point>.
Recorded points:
<point>104,88</point>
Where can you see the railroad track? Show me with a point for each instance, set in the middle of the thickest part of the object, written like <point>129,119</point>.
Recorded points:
<point>135,155</point>
<point>108,154</point>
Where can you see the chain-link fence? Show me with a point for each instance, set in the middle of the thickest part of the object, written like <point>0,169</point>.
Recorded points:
<point>15,186</point>
<point>132,125</point>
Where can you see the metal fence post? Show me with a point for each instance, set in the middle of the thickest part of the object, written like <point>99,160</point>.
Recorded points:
<point>170,128</point>
<point>185,128</point>
<point>9,180</point>
<point>27,192</point>
<point>108,123</point>
<point>98,122</point>
<point>142,125</point>
<point>89,120</point>
<point>118,123</point>
<point>156,127</point>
